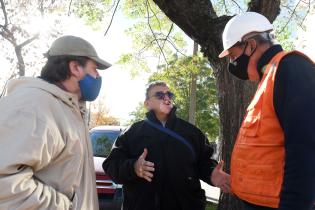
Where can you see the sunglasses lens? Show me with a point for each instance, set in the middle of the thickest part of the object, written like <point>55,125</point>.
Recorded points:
<point>159,95</point>
<point>170,95</point>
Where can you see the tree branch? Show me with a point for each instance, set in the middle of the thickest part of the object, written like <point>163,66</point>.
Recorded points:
<point>239,7</point>
<point>307,12</point>
<point>149,24</point>
<point>270,9</point>
<point>69,8</point>
<point>41,7</point>
<point>293,12</point>
<point>155,16</point>
<point>111,20</point>
<point>4,14</point>
<point>168,34</point>
<point>26,42</point>
<point>225,7</point>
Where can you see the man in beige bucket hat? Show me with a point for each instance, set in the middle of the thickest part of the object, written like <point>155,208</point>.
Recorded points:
<point>46,156</point>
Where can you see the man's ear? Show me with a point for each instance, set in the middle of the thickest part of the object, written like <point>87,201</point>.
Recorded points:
<point>75,69</point>
<point>252,46</point>
<point>146,104</point>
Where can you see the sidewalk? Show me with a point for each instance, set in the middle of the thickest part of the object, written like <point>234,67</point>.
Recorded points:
<point>212,193</point>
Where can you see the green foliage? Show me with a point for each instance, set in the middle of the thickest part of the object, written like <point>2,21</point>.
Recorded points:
<point>223,7</point>
<point>93,12</point>
<point>211,206</point>
<point>152,33</point>
<point>138,114</point>
<point>284,35</point>
<point>136,63</point>
<point>178,77</point>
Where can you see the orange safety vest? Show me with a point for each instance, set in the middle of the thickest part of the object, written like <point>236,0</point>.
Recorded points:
<point>258,157</point>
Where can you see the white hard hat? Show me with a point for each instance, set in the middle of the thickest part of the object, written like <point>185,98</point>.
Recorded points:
<point>239,26</point>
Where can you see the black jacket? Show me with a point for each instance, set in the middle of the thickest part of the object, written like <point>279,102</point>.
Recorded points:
<point>175,184</point>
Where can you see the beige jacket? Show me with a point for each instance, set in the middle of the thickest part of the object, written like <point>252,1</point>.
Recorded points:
<point>46,159</point>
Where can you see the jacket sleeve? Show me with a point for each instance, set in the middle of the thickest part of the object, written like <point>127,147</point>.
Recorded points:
<point>118,165</point>
<point>26,147</point>
<point>294,100</point>
<point>205,163</point>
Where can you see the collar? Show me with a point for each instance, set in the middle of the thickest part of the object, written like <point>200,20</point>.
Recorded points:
<point>170,120</point>
<point>267,56</point>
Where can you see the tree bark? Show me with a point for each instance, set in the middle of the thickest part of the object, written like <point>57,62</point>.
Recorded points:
<point>11,37</point>
<point>193,92</point>
<point>21,64</point>
<point>200,22</point>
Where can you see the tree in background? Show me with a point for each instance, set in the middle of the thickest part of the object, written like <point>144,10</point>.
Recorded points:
<point>138,114</point>
<point>27,27</point>
<point>99,115</point>
<point>21,25</point>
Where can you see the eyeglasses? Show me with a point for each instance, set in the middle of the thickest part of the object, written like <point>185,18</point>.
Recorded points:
<point>161,95</point>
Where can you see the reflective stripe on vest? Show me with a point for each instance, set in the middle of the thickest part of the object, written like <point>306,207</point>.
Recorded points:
<point>257,164</point>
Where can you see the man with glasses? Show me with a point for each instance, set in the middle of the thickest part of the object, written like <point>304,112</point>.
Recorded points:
<point>161,159</point>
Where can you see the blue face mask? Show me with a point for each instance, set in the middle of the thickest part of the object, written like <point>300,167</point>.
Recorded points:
<point>90,87</point>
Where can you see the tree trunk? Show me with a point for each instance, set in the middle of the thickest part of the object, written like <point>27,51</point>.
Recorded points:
<point>21,64</point>
<point>200,22</point>
<point>193,92</point>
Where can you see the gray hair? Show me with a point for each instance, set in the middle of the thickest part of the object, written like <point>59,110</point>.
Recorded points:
<point>152,85</point>
<point>266,37</point>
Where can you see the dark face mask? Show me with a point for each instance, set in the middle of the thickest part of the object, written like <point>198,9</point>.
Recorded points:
<point>238,67</point>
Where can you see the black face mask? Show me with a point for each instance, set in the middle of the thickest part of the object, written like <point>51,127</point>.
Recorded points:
<point>238,67</point>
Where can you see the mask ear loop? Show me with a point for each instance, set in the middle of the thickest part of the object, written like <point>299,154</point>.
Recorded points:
<point>253,50</point>
<point>260,74</point>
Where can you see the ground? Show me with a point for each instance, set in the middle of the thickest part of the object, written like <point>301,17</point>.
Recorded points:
<point>211,206</point>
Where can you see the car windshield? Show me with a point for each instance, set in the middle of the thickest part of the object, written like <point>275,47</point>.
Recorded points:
<point>102,141</point>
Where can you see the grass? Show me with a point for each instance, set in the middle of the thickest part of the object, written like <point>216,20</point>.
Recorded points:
<point>211,206</point>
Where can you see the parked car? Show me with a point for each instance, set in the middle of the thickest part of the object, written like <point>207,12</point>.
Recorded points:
<point>109,193</point>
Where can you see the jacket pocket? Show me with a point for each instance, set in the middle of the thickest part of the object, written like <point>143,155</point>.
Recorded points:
<point>251,122</point>
<point>263,180</point>
<point>250,125</point>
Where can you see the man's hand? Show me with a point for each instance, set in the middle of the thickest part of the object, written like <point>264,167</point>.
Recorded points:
<point>221,179</point>
<point>144,168</point>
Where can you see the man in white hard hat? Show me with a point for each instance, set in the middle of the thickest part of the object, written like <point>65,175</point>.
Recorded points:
<point>46,154</point>
<point>273,160</point>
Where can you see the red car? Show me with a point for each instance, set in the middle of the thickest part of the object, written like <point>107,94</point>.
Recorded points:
<point>102,138</point>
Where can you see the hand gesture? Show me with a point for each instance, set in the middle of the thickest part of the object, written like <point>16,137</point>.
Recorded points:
<point>144,168</point>
<point>221,179</point>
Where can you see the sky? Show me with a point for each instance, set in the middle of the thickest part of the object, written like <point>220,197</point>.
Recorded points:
<point>306,41</point>
<point>121,93</point>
